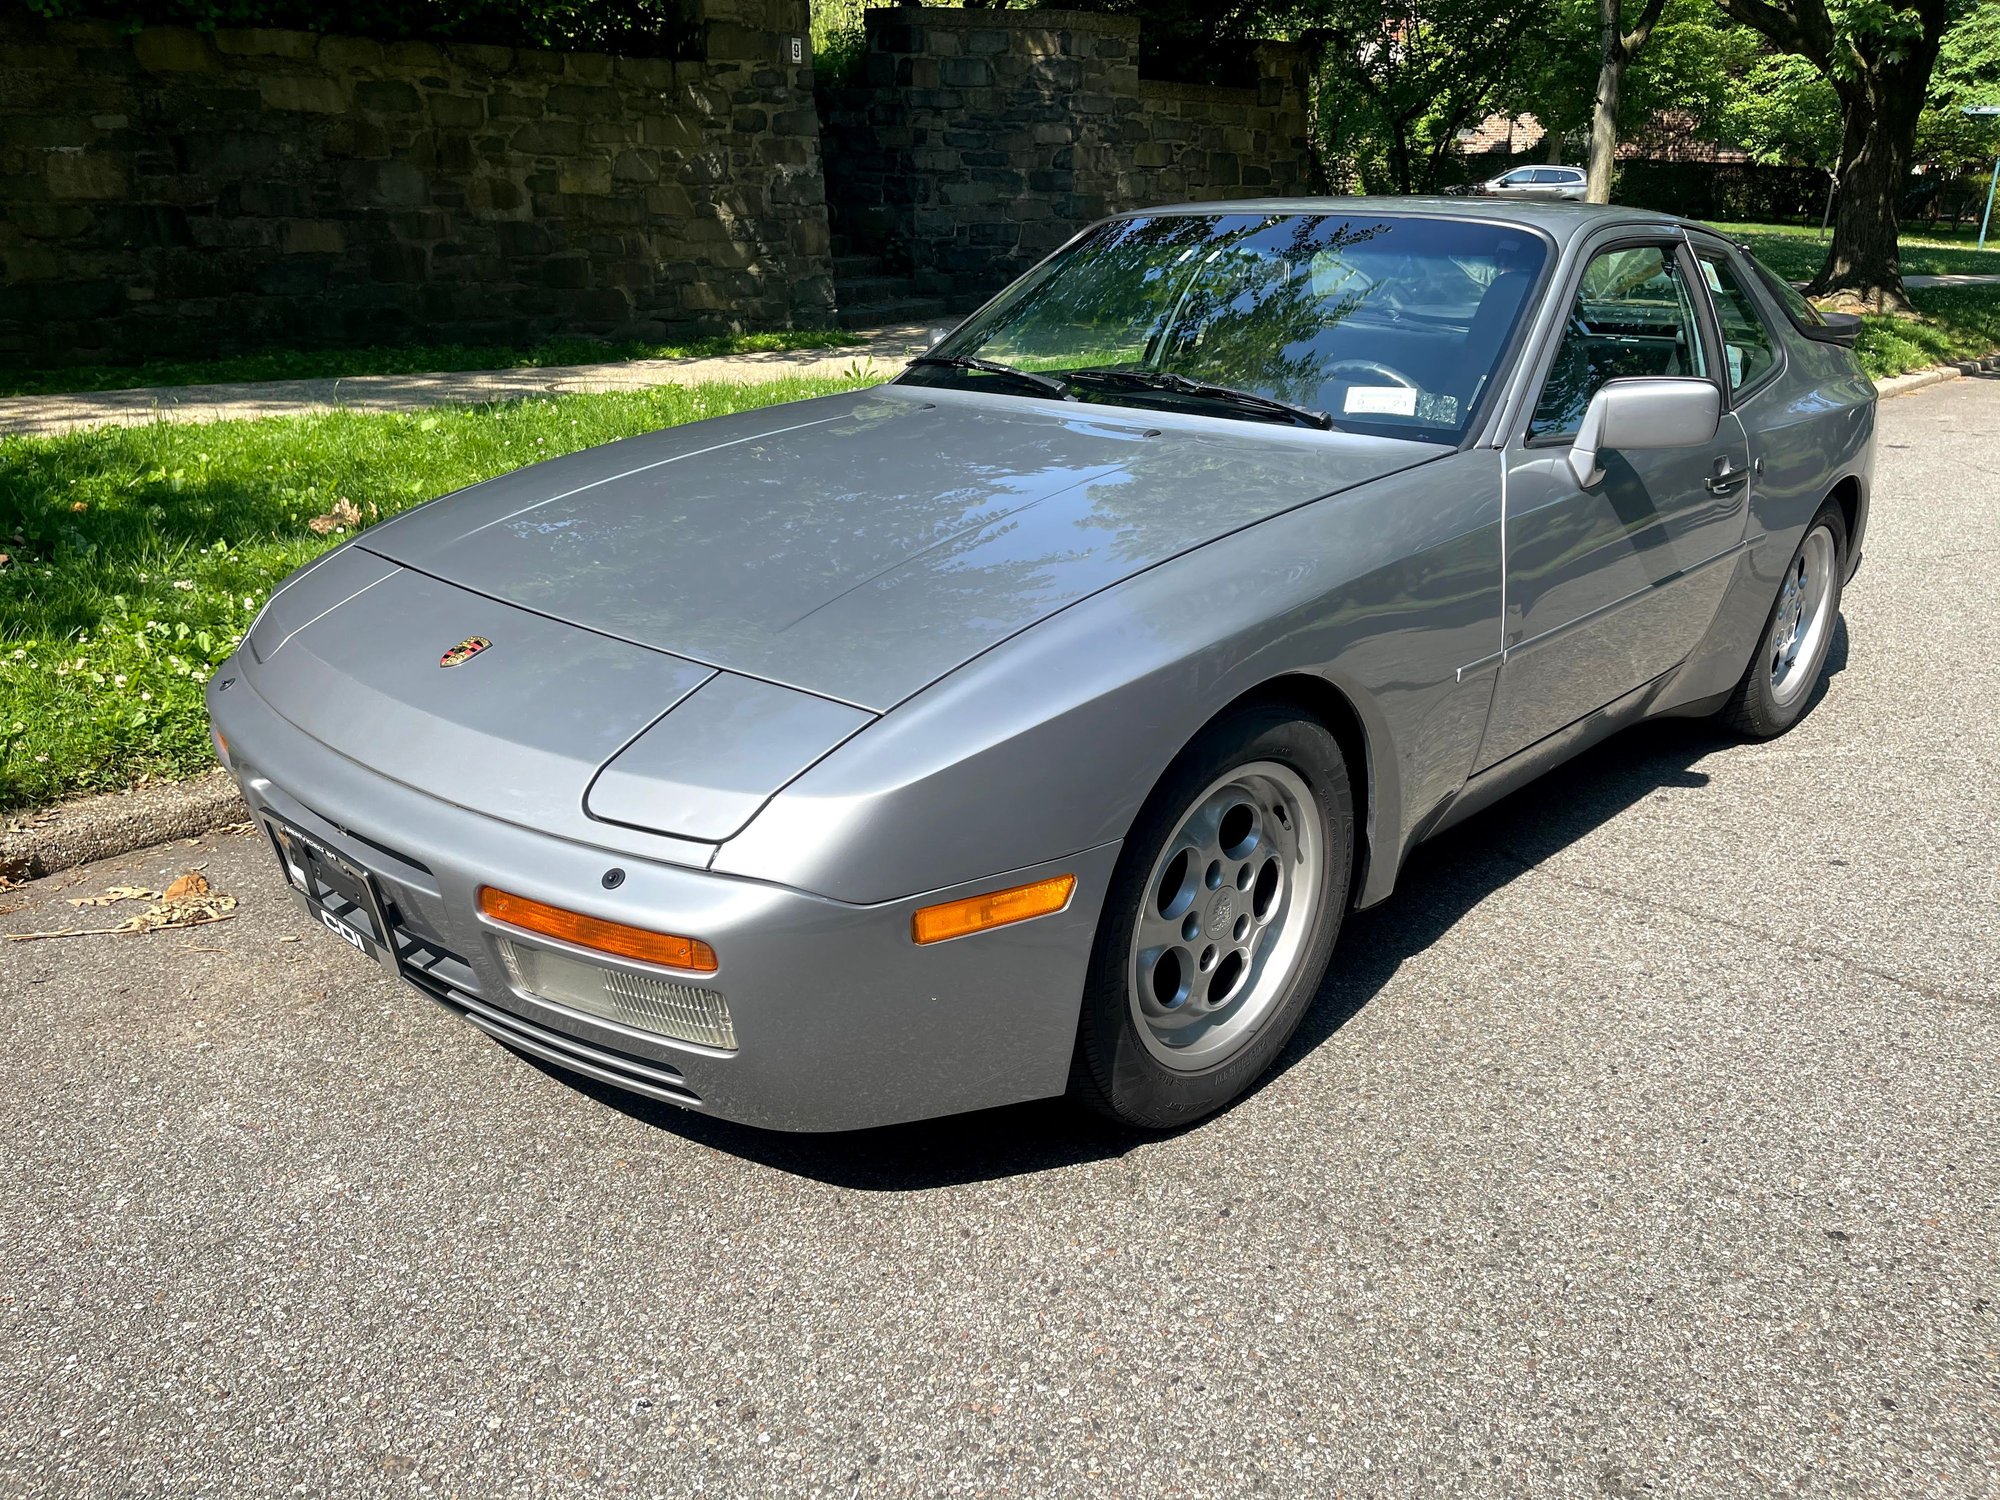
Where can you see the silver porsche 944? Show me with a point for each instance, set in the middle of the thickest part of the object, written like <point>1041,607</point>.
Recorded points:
<point>1027,725</point>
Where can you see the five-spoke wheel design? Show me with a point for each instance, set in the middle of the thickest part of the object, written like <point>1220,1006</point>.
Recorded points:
<point>1228,907</point>
<point>1803,618</point>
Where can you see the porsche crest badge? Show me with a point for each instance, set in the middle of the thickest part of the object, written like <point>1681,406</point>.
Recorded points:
<point>464,651</point>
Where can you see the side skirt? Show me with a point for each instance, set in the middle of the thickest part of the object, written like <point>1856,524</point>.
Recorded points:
<point>1523,766</point>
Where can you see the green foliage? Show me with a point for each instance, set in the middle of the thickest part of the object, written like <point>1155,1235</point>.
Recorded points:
<point>1967,72</point>
<point>1783,111</point>
<point>838,38</point>
<point>1398,81</point>
<point>640,28</point>
<point>406,359</point>
<point>137,556</point>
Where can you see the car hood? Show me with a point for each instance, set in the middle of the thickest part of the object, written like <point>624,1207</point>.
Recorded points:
<point>859,547</point>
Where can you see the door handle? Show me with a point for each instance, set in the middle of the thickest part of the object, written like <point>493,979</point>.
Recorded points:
<point>1725,478</point>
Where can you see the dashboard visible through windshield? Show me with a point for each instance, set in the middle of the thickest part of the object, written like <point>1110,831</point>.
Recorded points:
<point>1382,323</point>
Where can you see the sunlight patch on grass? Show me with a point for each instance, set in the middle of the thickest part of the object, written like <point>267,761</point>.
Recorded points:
<point>1795,252</point>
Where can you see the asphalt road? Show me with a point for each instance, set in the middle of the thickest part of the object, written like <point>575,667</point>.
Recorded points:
<point>1644,1144</point>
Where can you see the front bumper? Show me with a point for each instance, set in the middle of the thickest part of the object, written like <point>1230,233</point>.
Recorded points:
<point>841,1020</point>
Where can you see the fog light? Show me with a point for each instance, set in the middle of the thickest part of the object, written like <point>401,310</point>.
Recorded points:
<point>640,1001</point>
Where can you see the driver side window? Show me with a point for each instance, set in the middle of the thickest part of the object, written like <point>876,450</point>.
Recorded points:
<point>1633,315</point>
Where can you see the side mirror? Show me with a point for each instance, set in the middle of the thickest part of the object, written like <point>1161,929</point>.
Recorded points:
<point>935,337</point>
<point>1665,411</point>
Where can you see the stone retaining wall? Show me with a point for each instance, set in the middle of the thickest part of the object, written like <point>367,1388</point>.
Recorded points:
<point>980,140</point>
<point>170,192</point>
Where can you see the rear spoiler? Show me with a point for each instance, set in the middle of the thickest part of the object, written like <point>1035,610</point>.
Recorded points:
<point>1834,328</point>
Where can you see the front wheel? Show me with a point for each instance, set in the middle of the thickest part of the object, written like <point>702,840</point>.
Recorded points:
<point>1221,916</point>
<point>1798,633</point>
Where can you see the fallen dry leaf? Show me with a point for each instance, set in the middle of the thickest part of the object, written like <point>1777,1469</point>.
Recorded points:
<point>339,516</point>
<point>114,895</point>
<point>197,906</point>
<point>79,506</point>
<point>187,888</point>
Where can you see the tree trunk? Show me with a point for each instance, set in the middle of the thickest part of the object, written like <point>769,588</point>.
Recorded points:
<point>1604,119</point>
<point>1399,158</point>
<point>1863,269</point>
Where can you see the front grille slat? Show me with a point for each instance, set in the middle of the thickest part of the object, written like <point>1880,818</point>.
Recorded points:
<point>429,965</point>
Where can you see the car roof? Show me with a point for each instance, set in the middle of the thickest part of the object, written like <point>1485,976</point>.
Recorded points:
<point>1562,221</point>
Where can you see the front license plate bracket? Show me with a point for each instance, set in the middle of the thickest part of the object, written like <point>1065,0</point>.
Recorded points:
<point>342,897</point>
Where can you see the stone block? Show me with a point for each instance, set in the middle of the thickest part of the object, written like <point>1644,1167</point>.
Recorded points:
<point>413,57</point>
<point>635,166</point>
<point>383,184</point>
<point>349,54</point>
<point>312,237</point>
<point>389,97</point>
<point>85,175</point>
<point>303,92</point>
<point>674,132</point>
<point>581,99</point>
<point>966,73</point>
<point>548,138</point>
<point>514,104</point>
<point>586,175</point>
<point>173,49</point>
<point>408,264</point>
<point>262,42</point>
<point>492,61</point>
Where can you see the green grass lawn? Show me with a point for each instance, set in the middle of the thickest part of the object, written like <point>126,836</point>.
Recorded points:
<point>1796,253</point>
<point>1955,322</point>
<point>136,557</point>
<point>409,359</point>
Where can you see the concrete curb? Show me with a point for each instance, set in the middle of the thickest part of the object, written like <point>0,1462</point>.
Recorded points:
<point>1916,380</point>
<point>91,828</point>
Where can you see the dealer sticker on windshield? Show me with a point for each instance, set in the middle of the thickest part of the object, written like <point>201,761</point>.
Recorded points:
<point>1393,400</point>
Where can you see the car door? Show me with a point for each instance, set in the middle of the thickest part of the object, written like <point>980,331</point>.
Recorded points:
<point>1516,184</point>
<point>1610,586</point>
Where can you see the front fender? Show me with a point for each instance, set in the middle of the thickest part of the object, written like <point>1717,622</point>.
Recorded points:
<point>1049,743</point>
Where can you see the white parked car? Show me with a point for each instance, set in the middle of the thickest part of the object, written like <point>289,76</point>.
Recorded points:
<point>1536,182</point>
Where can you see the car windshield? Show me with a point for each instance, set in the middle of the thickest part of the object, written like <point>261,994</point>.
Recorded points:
<point>1389,324</point>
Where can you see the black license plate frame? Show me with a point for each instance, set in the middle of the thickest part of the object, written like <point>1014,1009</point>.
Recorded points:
<point>311,864</point>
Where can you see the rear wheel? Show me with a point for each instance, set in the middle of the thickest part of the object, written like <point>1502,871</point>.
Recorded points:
<point>1221,916</point>
<point>1791,654</point>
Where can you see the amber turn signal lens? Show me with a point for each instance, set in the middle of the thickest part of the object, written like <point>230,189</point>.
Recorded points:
<point>660,948</point>
<point>936,924</point>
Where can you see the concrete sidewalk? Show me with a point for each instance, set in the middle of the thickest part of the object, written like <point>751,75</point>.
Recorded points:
<point>884,349</point>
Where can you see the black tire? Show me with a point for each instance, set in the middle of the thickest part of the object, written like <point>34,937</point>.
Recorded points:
<point>1113,1070</point>
<point>1756,709</point>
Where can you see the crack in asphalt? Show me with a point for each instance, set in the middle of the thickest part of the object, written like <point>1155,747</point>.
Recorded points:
<point>1917,987</point>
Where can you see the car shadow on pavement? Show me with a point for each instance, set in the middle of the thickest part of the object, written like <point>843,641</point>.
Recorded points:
<point>1442,881</point>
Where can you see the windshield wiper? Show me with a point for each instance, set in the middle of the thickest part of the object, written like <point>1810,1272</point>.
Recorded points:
<point>1047,383</point>
<point>1201,390</point>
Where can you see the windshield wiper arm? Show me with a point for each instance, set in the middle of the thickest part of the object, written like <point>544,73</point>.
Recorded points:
<point>1048,383</point>
<point>1202,390</point>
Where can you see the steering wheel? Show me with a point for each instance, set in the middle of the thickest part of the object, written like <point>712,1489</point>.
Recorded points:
<point>1372,367</point>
